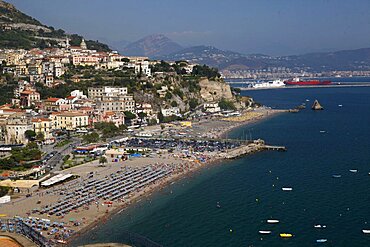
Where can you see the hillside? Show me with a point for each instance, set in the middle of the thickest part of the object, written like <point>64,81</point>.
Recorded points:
<point>153,46</point>
<point>20,31</point>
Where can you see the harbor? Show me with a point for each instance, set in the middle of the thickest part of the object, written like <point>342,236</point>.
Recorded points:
<point>254,183</point>
<point>74,200</point>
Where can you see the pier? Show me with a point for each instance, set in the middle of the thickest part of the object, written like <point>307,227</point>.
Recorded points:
<point>254,147</point>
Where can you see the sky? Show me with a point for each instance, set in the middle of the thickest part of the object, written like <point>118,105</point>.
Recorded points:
<point>274,27</point>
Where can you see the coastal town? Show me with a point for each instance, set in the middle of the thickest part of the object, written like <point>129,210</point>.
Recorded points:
<point>69,162</point>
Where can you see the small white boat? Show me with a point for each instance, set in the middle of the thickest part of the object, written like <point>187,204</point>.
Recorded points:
<point>322,131</point>
<point>340,105</point>
<point>366,231</point>
<point>264,232</point>
<point>319,226</point>
<point>287,189</point>
<point>272,221</point>
<point>353,170</point>
<point>323,240</point>
<point>307,100</point>
<point>336,176</point>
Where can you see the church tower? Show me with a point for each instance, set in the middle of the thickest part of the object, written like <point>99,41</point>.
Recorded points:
<point>83,45</point>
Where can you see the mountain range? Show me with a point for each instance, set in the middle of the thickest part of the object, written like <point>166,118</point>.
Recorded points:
<point>161,47</point>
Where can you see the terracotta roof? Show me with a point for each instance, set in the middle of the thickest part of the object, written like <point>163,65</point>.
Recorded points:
<point>28,92</point>
<point>5,106</point>
<point>71,97</point>
<point>34,120</point>
<point>52,99</point>
<point>72,114</point>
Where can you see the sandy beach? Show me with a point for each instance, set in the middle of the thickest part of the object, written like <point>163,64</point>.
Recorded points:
<point>86,217</point>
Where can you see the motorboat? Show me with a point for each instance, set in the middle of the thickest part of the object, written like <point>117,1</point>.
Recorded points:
<point>264,232</point>
<point>323,240</point>
<point>319,226</point>
<point>272,221</point>
<point>286,235</point>
<point>366,231</point>
<point>353,170</point>
<point>336,176</point>
<point>287,189</point>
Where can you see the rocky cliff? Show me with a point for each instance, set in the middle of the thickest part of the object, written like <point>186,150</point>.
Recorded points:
<point>214,91</point>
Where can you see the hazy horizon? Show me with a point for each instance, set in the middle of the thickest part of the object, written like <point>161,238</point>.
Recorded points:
<point>269,27</point>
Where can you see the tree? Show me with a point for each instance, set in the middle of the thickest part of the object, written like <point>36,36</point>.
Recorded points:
<point>30,135</point>
<point>174,103</point>
<point>193,103</point>
<point>141,115</point>
<point>40,136</point>
<point>91,138</point>
<point>225,104</point>
<point>103,160</point>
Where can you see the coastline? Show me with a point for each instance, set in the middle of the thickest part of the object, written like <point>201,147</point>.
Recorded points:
<point>181,166</point>
<point>147,192</point>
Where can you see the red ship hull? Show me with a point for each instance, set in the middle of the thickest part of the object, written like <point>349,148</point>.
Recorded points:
<point>307,83</point>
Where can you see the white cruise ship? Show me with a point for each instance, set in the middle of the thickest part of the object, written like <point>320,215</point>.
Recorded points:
<point>269,84</point>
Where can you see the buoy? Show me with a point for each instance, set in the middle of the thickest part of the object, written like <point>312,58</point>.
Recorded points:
<point>256,199</point>
<point>231,230</point>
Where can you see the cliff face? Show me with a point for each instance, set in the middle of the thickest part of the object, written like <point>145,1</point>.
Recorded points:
<point>214,91</point>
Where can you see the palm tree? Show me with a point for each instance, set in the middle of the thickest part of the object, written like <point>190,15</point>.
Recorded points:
<point>103,160</point>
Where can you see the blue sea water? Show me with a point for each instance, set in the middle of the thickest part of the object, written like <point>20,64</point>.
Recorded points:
<point>319,143</point>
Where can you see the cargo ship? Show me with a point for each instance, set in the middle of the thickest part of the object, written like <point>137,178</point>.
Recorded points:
<point>298,82</point>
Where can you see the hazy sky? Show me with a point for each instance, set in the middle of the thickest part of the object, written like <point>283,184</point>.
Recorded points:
<point>276,27</point>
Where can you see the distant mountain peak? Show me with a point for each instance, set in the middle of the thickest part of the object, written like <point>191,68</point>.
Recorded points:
<point>154,46</point>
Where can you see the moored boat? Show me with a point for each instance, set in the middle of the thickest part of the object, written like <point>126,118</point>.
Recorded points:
<point>264,232</point>
<point>269,84</point>
<point>336,176</point>
<point>319,226</point>
<point>299,82</point>
<point>287,189</point>
<point>323,240</point>
<point>286,235</point>
<point>366,231</point>
<point>272,221</point>
<point>353,170</point>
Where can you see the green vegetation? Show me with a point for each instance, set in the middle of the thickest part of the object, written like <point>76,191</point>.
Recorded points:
<point>30,135</point>
<point>103,160</point>
<point>91,138</point>
<point>109,129</point>
<point>4,190</point>
<point>193,103</point>
<point>62,143</point>
<point>20,157</point>
<point>226,105</point>
<point>65,158</point>
<point>205,71</point>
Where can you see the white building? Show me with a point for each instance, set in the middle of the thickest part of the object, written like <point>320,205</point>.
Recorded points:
<point>211,107</point>
<point>173,111</point>
<point>98,92</point>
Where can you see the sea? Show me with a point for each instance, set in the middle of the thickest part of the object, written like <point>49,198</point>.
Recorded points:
<point>248,190</point>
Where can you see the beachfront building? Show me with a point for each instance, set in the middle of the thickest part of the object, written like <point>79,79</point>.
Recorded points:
<point>173,111</point>
<point>115,155</point>
<point>95,93</point>
<point>71,120</point>
<point>16,126</point>
<point>44,126</point>
<point>211,107</point>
